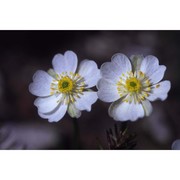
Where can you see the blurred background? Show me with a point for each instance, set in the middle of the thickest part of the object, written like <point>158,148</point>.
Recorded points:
<point>24,52</point>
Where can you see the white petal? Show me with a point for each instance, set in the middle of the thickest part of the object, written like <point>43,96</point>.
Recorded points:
<point>86,100</point>
<point>176,145</point>
<point>122,63</point>
<point>56,115</point>
<point>147,107</point>
<point>149,65</point>
<point>66,63</point>
<point>107,91</point>
<point>47,104</point>
<point>73,111</point>
<point>160,91</point>
<point>71,61</point>
<point>58,63</point>
<point>110,71</point>
<point>123,111</point>
<point>113,70</point>
<point>158,74</point>
<point>41,84</point>
<point>89,71</point>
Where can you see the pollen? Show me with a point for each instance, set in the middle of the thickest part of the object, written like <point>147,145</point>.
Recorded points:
<point>157,85</point>
<point>133,85</point>
<point>65,84</point>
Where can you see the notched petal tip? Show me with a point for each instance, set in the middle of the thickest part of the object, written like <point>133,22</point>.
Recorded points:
<point>167,89</point>
<point>120,55</point>
<point>160,91</point>
<point>121,63</point>
<point>70,53</point>
<point>65,63</point>
<point>152,57</point>
<point>168,83</point>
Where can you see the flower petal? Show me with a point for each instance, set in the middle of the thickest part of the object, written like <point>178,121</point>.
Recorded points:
<point>113,70</point>
<point>66,63</point>
<point>89,71</point>
<point>149,65</point>
<point>123,111</point>
<point>71,61</point>
<point>122,63</point>
<point>58,63</point>
<point>147,107</point>
<point>86,100</point>
<point>158,74</point>
<point>47,104</point>
<point>110,71</point>
<point>56,115</point>
<point>73,111</point>
<point>107,91</point>
<point>160,91</point>
<point>41,84</point>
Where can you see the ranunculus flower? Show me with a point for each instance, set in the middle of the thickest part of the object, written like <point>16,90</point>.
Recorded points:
<point>65,87</point>
<point>131,84</point>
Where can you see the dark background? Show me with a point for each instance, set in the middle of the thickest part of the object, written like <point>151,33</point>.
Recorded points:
<point>24,52</point>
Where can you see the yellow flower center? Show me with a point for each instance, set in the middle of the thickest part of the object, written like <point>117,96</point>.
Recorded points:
<point>133,84</point>
<point>65,85</point>
<point>71,85</point>
<point>134,87</point>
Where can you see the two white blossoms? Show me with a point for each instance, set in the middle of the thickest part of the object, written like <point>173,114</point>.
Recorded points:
<point>129,84</point>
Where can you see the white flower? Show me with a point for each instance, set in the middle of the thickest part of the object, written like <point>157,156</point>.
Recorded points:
<point>131,84</point>
<point>65,88</point>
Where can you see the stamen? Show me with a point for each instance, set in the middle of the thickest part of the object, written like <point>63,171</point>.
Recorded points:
<point>71,85</point>
<point>157,86</point>
<point>134,87</point>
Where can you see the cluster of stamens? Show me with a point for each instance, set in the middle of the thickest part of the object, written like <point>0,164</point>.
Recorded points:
<point>71,85</point>
<point>134,86</point>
